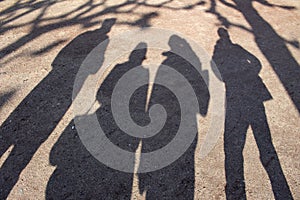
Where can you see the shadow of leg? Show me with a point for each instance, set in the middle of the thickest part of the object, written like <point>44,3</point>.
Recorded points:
<point>234,142</point>
<point>268,155</point>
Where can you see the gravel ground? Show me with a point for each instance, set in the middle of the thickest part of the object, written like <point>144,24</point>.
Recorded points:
<point>255,45</point>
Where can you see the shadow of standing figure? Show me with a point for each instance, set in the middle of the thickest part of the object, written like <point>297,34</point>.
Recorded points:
<point>38,114</point>
<point>78,174</point>
<point>176,181</point>
<point>104,96</point>
<point>245,94</point>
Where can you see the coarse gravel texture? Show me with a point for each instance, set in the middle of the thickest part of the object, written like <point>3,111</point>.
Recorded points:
<point>42,45</point>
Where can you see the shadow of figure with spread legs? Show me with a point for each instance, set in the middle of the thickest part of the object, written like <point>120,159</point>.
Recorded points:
<point>245,94</point>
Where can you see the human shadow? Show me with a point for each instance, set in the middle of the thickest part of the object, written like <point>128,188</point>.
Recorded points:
<point>176,181</point>
<point>78,174</point>
<point>38,114</point>
<point>271,44</point>
<point>245,94</point>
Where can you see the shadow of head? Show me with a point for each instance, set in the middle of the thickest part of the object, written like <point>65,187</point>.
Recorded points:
<point>138,55</point>
<point>176,43</point>
<point>108,24</point>
<point>223,34</point>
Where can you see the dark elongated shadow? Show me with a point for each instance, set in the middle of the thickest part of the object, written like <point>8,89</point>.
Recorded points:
<point>176,181</point>
<point>78,174</point>
<point>35,118</point>
<point>245,94</point>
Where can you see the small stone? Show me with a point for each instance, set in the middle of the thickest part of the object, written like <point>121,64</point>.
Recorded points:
<point>21,191</point>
